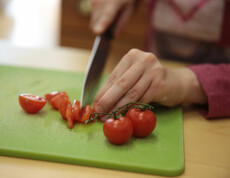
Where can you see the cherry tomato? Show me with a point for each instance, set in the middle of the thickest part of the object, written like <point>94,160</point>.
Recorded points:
<point>76,108</point>
<point>63,106</point>
<point>143,122</point>
<point>86,113</point>
<point>49,96</point>
<point>56,100</point>
<point>118,131</point>
<point>69,116</point>
<point>31,103</point>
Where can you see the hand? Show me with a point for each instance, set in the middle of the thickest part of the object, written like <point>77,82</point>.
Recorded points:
<point>141,77</point>
<point>105,11</point>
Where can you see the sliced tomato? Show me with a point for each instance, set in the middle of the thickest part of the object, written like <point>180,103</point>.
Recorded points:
<point>87,111</point>
<point>69,116</point>
<point>63,106</point>
<point>56,100</point>
<point>49,96</point>
<point>76,108</point>
<point>31,103</point>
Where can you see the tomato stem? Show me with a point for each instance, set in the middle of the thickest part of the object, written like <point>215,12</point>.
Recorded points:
<point>124,108</point>
<point>93,116</point>
<point>141,106</point>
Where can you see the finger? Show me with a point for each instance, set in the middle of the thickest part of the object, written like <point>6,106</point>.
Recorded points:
<point>119,70</point>
<point>123,66</point>
<point>125,15</point>
<point>103,17</point>
<point>135,92</point>
<point>119,88</point>
<point>94,16</point>
<point>97,7</point>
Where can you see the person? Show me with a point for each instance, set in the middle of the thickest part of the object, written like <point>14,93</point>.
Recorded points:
<point>188,31</point>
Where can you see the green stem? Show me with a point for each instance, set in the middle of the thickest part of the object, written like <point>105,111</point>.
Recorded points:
<point>95,116</point>
<point>141,106</point>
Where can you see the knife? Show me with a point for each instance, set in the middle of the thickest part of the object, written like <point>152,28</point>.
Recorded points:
<point>95,66</point>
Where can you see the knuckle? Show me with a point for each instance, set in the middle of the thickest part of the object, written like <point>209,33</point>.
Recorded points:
<point>132,52</point>
<point>111,79</point>
<point>132,94</point>
<point>160,69</point>
<point>122,83</point>
<point>149,58</point>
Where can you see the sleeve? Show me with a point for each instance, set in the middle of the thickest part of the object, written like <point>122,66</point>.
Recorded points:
<point>215,81</point>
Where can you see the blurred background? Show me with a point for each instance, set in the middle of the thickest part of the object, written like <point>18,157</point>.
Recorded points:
<point>55,23</point>
<point>30,23</point>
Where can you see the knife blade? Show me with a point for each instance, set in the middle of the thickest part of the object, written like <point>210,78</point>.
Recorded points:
<point>95,67</point>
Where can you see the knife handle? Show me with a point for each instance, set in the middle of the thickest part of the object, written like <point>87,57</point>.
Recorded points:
<point>109,33</point>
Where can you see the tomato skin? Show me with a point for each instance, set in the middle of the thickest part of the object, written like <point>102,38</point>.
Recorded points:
<point>118,131</point>
<point>31,103</point>
<point>63,106</point>
<point>69,116</point>
<point>49,96</point>
<point>144,122</point>
<point>77,113</point>
<point>86,113</point>
<point>56,100</point>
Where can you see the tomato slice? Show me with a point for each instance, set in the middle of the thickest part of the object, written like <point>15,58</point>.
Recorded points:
<point>56,100</point>
<point>76,108</point>
<point>69,116</point>
<point>49,96</point>
<point>31,103</point>
<point>63,106</point>
<point>86,113</point>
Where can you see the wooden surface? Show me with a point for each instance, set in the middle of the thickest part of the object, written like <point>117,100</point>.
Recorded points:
<point>207,142</point>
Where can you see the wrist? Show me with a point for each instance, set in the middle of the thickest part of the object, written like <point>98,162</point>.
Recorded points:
<point>193,91</point>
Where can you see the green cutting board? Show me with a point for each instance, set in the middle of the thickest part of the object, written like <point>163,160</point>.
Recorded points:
<point>45,136</point>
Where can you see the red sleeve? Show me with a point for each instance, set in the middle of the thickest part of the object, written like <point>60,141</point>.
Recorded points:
<point>215,80</point>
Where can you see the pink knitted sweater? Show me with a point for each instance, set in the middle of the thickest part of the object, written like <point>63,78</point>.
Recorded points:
<point>215,80</point>
<point>190,31</point>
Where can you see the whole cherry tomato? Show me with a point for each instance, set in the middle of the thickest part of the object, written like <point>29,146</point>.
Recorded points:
<point>86,113</point>
<point>118,131</point>
<point>76,108</point>
<point>143,122</point>
<point>31,103</point>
